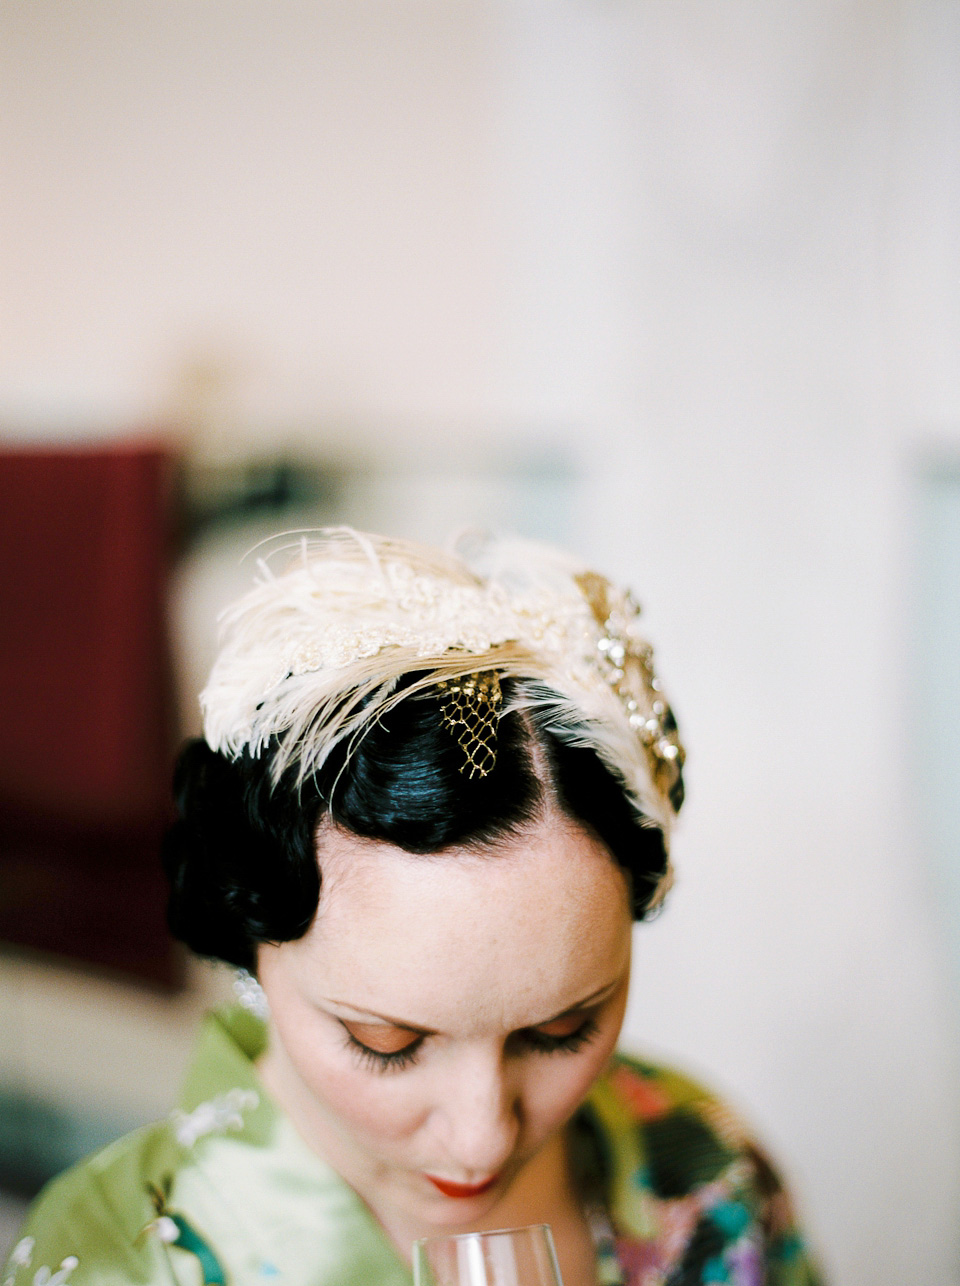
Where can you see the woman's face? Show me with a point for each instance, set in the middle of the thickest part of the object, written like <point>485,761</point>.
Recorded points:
<point>445,1015</point>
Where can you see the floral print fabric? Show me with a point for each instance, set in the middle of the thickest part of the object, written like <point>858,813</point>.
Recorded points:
<point>691,1199</point>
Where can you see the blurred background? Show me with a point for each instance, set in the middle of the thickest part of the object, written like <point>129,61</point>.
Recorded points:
<point>672,283</point>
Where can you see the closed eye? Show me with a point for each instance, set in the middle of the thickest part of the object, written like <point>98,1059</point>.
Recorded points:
<point>381,1047</point>
<point>563,1036</point>
<point>390,1049</point>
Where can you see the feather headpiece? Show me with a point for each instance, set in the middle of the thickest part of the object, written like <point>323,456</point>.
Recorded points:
<point>313,653</point>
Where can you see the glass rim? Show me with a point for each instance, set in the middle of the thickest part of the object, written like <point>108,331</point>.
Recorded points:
<point>486,1232</point>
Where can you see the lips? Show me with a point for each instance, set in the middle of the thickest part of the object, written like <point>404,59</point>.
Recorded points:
<point>462,1190</point>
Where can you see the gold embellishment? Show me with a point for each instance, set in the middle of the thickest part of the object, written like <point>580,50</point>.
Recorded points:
<point>470,708</point>
<point>626,662</point>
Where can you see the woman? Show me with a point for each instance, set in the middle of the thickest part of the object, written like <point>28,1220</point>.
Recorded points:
<point>433,794</point>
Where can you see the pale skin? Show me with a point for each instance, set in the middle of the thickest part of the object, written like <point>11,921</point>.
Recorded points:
<point>445,1016</point>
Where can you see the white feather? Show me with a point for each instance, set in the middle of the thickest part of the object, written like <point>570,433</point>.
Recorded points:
<point>312,654</point>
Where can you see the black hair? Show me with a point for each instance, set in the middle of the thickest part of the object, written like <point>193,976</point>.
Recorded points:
<point>241,858</point>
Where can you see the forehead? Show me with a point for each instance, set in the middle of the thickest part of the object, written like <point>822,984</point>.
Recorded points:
<point>462,940</point>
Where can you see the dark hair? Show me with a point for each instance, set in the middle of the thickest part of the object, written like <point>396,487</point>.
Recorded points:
<point>241,857</point>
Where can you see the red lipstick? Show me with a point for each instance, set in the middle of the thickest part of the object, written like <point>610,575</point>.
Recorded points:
<point>462,1189</point>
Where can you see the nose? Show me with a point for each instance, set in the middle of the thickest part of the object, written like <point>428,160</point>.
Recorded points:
<point>478,1116</point>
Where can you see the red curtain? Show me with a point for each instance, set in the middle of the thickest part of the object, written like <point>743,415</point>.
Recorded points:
<point>86,713</point>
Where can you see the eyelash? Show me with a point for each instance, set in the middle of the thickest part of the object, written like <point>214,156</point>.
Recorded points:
<point>380,1062</point>
<point>536,1041</point>
<point>569,1044</point>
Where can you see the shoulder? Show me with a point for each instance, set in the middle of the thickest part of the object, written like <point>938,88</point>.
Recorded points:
<point>667,1129</point>
<point>95,1223</point>
<point>678,1157</point>
<point>674,1114</point>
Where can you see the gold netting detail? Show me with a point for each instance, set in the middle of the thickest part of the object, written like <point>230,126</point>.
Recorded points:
<point>470,709</point>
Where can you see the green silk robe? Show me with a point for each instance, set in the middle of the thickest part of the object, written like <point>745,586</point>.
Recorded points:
<point>225,1192</point>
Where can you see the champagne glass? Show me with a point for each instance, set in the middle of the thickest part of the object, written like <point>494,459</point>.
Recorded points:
<point>507,1257</point>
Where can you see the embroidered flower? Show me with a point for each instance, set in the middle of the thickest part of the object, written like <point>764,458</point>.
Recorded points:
<point>20,1257</point>
<point>44,1277</point>
<point>166,1229</point>
<point>215,1116</point>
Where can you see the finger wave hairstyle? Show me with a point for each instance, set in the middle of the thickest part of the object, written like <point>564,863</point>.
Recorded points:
<point>242,858</point>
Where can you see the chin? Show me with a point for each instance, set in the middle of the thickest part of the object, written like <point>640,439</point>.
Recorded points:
<point>451,1215</point>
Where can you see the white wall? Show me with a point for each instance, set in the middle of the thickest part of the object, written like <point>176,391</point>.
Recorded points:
<point>301,200</point>
<point>787,232</point>
<point>708,249</point>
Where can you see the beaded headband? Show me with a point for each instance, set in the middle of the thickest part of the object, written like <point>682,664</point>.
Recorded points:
<point>313,654</point>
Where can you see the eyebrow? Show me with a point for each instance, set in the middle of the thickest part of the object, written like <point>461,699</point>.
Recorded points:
<point>594,998</point>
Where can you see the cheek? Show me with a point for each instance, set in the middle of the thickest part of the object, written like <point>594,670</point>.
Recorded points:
<point>560,1083</point>
<point>357,1099</point>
